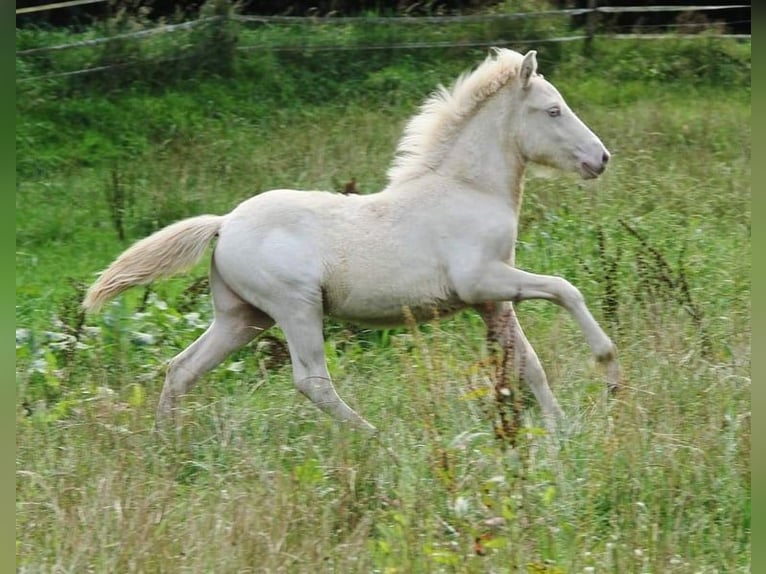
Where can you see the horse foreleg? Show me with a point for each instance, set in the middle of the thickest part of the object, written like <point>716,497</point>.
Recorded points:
<point>501,282</point>
<point>504,329</point>
<point>303,331</point>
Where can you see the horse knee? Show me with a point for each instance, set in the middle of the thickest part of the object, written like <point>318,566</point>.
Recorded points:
<point>569,295</point>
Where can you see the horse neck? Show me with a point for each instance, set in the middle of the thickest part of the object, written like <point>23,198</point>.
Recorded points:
<point>484,156</point>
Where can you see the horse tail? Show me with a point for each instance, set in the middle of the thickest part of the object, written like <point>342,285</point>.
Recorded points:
<point>166,252</point>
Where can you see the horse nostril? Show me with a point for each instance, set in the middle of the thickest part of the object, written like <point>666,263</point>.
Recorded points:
<point>605,158</point>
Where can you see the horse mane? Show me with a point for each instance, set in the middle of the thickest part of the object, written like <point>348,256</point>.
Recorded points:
<point>427,135</point>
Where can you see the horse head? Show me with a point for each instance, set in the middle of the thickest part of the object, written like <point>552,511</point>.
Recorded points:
<point>547,131</point>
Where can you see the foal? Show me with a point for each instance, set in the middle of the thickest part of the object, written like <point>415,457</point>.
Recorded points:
<point>439,238</point>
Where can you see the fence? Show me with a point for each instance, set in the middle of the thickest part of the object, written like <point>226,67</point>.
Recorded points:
<point>591,30</point>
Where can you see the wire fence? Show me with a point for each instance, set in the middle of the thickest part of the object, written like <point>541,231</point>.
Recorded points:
<point>433,19</point>
<point>590,31</point>
<point>56,6</point>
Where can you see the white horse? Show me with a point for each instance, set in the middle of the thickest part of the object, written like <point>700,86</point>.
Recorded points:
<point>439,238</point>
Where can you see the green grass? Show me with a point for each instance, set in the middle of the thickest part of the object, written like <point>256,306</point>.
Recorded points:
<point>655,480</point>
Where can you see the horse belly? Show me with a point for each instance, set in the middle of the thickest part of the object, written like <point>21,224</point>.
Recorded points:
<point>397,316</point>
<point>389,305</point>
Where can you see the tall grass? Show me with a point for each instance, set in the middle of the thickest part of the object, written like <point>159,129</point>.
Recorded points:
<point>257,480</point>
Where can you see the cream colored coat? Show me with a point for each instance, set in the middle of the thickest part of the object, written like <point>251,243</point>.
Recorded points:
<point>440,237</point>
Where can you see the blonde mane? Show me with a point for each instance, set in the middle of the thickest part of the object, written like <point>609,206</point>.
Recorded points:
<point>428,135</point>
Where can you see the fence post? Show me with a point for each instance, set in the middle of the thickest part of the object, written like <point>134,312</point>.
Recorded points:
<point>590,28</point>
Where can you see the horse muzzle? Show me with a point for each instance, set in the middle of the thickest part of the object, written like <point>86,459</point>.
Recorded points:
<point>591,170</point>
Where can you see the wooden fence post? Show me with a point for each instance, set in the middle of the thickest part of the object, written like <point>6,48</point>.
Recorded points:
<point>590,28</point>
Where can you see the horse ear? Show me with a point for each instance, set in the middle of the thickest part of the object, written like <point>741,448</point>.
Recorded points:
<point>528,67</point>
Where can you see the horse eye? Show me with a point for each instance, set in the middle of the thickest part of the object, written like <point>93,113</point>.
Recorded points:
<point>554,112</point>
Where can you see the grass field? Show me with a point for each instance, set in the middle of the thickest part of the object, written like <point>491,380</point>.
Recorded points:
<point>258,480</point>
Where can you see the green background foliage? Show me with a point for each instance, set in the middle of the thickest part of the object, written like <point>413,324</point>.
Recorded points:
<point>656,479</point>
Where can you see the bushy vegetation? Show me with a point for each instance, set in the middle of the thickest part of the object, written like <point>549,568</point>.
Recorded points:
<point>656,479</point>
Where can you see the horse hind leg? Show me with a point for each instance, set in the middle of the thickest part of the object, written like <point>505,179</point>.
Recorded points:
<point>303,331</point>
<point>236,323</point>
